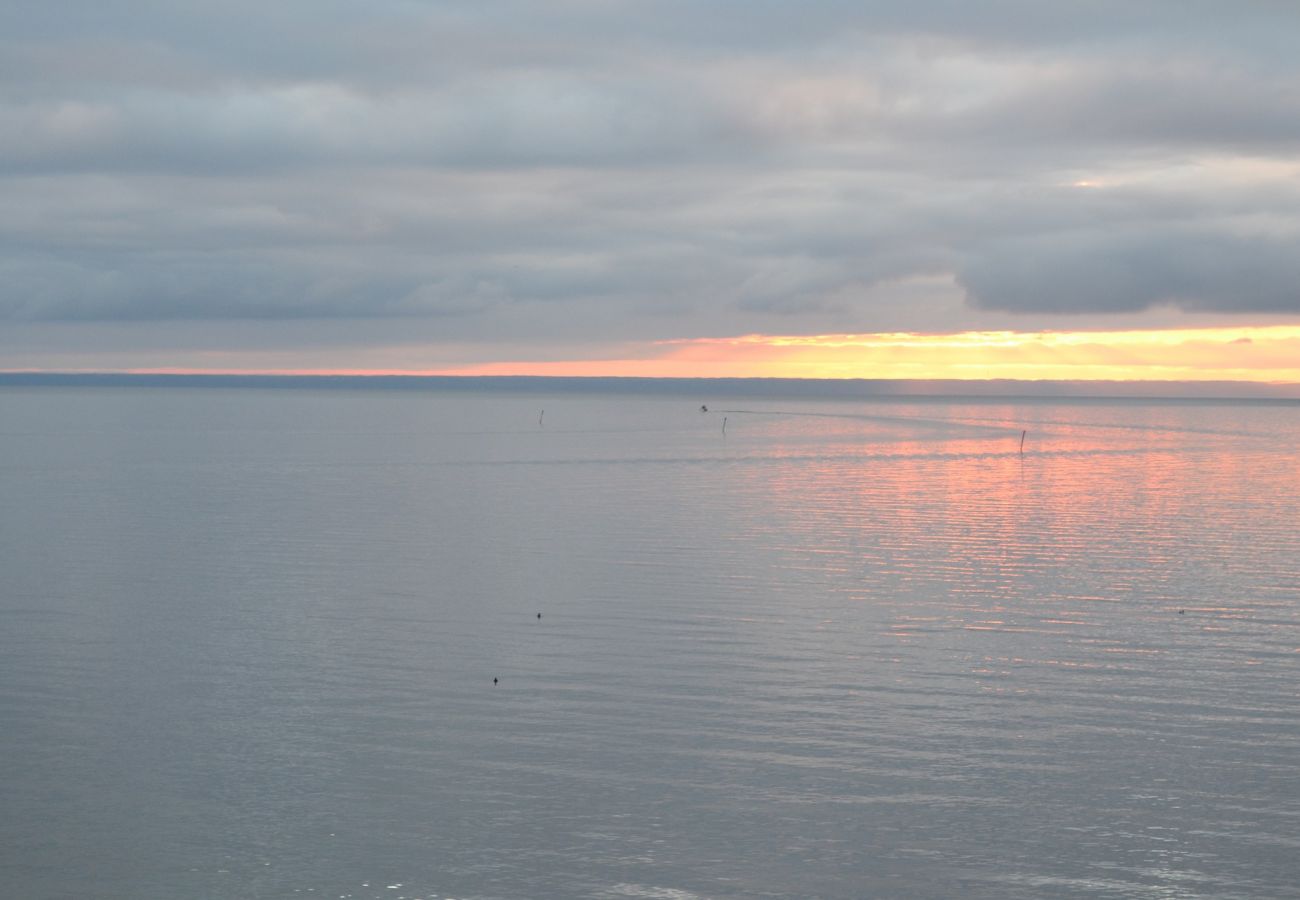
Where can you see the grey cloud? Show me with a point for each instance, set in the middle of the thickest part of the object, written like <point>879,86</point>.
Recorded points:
<point>631,169</point>
<point>522,120</point>
<point>1145,103</point>
<point>1196,272</point>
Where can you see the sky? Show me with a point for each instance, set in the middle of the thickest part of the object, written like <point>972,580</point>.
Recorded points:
<point>925,189</point>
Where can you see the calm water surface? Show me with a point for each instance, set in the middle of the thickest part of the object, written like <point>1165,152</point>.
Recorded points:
<point>248,642</point>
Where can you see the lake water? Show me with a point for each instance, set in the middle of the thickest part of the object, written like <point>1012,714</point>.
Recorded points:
<point>844,649</point>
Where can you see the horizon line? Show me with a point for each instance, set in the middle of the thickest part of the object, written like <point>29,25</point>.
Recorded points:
<point>893,387</point>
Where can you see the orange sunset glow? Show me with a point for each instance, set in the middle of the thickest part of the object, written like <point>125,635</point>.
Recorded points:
<point>1267,354</point>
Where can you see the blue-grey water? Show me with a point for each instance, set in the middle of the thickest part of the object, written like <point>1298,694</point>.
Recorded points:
<point>846,649</point>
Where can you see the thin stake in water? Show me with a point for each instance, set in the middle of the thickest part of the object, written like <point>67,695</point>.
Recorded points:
<point>724,424</point>
<point>539,417</point>
<point>1022,442</point>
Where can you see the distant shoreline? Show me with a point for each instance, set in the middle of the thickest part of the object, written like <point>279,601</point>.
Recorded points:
<point>811,388</point>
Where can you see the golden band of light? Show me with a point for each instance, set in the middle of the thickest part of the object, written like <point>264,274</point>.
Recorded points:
<point>1261,354</point>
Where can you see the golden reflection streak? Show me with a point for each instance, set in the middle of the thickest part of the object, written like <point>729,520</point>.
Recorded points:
<point>970,501</point>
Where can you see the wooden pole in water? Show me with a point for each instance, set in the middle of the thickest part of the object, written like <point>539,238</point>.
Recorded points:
<point>724,424</point>
<point>1022,442</point>
<point>539,417</point>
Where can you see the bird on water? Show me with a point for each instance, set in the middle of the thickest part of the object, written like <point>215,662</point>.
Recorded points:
<point>494,681</point>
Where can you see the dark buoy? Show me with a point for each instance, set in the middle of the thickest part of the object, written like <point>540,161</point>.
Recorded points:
<point>494,681</point>
<point>539,615</point>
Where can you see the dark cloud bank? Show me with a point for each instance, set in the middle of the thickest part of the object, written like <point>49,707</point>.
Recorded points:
<point>633,169</point>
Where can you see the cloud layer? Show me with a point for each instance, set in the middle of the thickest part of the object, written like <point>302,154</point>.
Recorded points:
<point>610,169</point>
